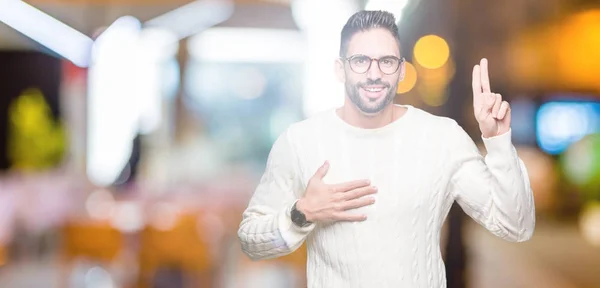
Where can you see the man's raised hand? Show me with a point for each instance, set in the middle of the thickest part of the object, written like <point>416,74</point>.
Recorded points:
<point>492,114</point>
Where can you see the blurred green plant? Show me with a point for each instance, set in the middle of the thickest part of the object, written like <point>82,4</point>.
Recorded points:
<point>35,140</point>
<point>581,166</point>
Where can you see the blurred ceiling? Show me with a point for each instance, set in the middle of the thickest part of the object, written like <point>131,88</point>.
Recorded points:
<point>513,34</point>
<point>87,16</point>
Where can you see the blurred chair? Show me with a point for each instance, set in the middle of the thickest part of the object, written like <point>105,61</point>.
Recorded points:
<point>94,240</point>
<point>3,256</point>
<point>180,246</point>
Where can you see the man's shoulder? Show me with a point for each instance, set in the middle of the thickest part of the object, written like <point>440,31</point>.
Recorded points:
<point>309,125</point>
<point>443,127</point>
<point>433,122</point>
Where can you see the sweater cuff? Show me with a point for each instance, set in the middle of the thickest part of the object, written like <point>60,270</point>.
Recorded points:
<point>292,234</point>
<point>500,144</point>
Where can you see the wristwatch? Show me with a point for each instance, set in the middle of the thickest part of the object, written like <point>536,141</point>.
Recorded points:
<point>298,218</point>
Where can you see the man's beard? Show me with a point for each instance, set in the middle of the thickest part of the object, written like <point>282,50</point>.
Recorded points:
<point>362,104</point>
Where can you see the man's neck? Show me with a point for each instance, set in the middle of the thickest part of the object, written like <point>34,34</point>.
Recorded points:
<point>353,116</point>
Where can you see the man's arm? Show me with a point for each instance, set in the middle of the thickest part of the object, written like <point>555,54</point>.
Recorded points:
<point>266,230</point>
<point>494,191</point>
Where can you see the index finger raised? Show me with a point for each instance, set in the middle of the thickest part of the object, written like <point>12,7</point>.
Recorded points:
<point>477,86</point>
<point>476,80</point>
<point>485,77</point>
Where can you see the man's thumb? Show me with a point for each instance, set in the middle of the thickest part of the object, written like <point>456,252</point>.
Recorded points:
<point>322,171</point>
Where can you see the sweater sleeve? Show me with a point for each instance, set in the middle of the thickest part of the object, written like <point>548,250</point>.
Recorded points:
<point>266,230</point>
<point>495,190</point>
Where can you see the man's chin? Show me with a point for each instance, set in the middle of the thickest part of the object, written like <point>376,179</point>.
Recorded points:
<point>373,102</point>
<point>371,108</point>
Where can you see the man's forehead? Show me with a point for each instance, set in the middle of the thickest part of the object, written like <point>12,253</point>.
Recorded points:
<point>374,43</point>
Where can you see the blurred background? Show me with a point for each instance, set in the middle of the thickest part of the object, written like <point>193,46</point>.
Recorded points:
<point>133,132</point>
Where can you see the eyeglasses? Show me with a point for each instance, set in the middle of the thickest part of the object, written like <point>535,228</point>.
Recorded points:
<point>361,63</point>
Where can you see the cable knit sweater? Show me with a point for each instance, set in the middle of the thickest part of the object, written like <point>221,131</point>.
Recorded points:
<point>421,164</point>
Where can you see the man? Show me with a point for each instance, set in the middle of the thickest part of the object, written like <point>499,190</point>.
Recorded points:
<point>368,185</point>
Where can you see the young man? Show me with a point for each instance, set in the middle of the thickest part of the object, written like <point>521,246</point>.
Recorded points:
<point>368,185</point>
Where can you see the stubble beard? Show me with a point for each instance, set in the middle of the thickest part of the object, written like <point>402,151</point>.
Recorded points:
<point>353,92</point>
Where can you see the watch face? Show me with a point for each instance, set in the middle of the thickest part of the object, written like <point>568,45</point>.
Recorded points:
<point>297,217</point>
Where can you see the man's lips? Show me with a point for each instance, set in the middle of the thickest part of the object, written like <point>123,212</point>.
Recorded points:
<point>372,91</point>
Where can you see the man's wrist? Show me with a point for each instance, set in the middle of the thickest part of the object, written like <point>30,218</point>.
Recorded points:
<point>499,144</point>
<point>491,136</point>
<point>299,214</point>
<point>302,206</point>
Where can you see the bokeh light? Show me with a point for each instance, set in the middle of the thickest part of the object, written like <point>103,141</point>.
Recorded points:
<point>590,223</point>
<point>433,95</point>
<point>410,79</point>
<point>568,46</point>
<point>542,176</point>
<point>433,83</point>
<point>164,216</point>
<point>431,51</point>
<point>581,165</point>
<point>560,123</point>
<point>440,75</point>
<point>100,204</point>
<point>577,38</point>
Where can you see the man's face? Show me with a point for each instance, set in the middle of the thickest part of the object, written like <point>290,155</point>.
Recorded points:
<point>372,89</point>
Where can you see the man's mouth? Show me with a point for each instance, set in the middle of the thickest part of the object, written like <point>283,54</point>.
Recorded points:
<point>373,92</point>
<point>374,89</point>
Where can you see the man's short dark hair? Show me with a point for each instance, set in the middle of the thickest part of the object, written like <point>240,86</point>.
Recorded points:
<point>364,21</point>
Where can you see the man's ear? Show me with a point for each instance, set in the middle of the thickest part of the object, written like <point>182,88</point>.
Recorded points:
<point>402,70</point>
<point>340,73</point>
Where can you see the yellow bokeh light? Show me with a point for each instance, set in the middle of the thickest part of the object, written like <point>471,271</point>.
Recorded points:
<point>431,51</point>
<point>589,223</point>
<point>410,79</point>
<point>560,55</point>
<point>440,76</point>
<point>577,46</point>
<point>433,94</point>
<point>433,83</point>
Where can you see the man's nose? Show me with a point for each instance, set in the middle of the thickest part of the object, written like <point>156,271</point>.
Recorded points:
<point>374,72</point>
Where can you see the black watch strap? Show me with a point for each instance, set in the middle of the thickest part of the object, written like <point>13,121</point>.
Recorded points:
<point>298,218</point>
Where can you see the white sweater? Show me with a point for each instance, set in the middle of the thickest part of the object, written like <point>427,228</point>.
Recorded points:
<point>420,163</point>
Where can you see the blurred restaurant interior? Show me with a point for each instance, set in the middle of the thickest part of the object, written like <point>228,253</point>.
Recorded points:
<point>133,132</point>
